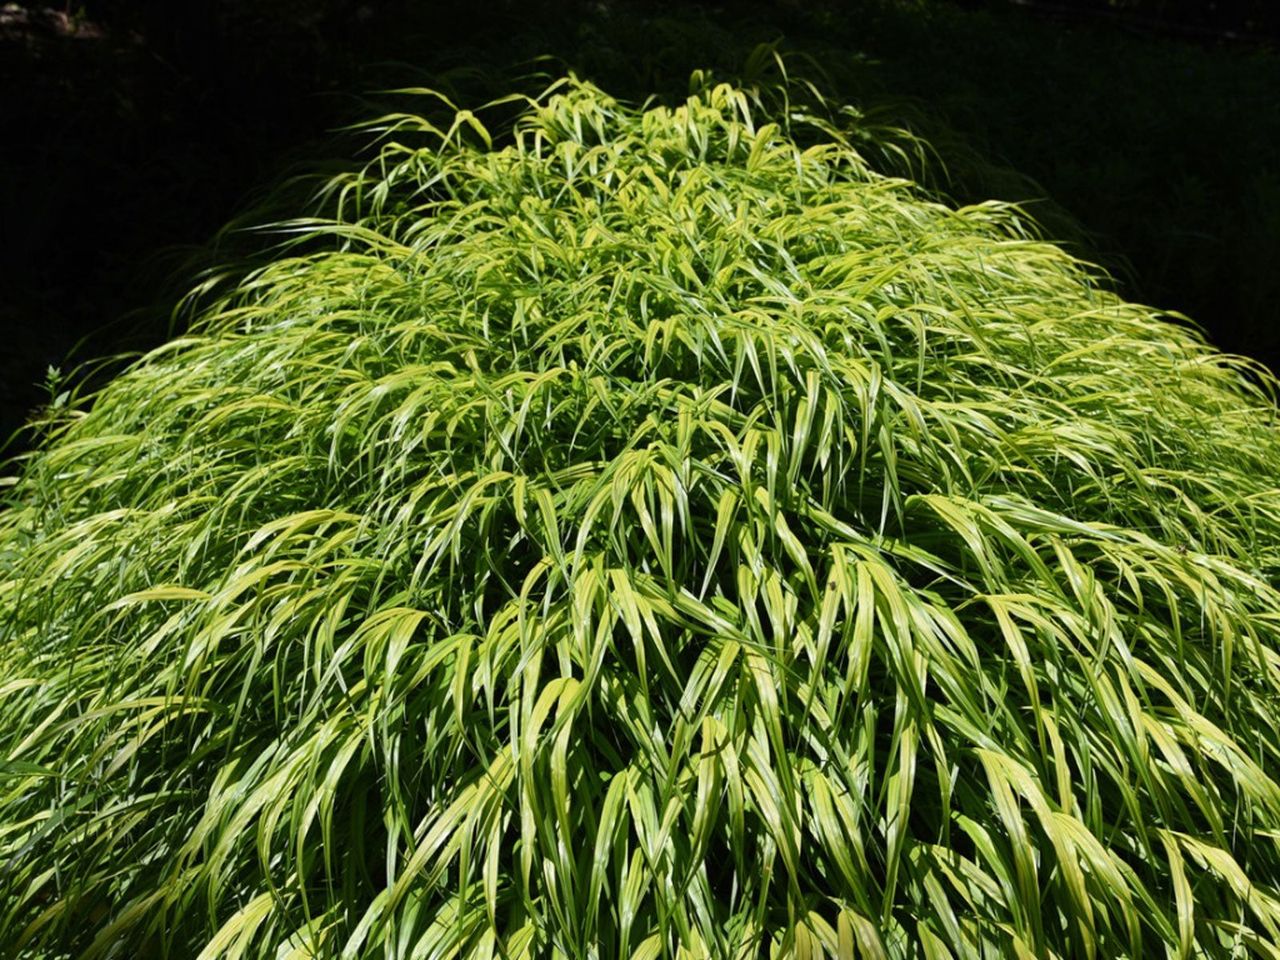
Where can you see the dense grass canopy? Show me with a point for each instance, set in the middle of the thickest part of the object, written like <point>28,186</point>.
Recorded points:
<point>654,535</point>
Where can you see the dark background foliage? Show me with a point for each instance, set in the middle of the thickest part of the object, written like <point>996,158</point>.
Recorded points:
<point>135,129</point>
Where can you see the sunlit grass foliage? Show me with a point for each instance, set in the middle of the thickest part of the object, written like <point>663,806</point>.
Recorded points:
<point>651,534</point>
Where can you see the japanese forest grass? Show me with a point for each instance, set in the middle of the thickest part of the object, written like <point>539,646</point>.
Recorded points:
<point>655,535</point>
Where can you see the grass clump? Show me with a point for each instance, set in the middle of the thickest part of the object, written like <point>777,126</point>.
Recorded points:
<point>656,535</point>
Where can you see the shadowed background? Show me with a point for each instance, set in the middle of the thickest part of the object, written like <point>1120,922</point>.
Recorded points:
<point>1145,131</point>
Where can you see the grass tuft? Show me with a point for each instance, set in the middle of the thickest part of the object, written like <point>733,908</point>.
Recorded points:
<point>648,532</point>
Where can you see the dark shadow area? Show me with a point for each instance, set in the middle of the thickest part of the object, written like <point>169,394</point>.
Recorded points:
<point>1153,124</point>
<point>136,130</point>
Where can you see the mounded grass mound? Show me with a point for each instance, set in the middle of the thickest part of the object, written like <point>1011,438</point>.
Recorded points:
<point>651,537</point>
